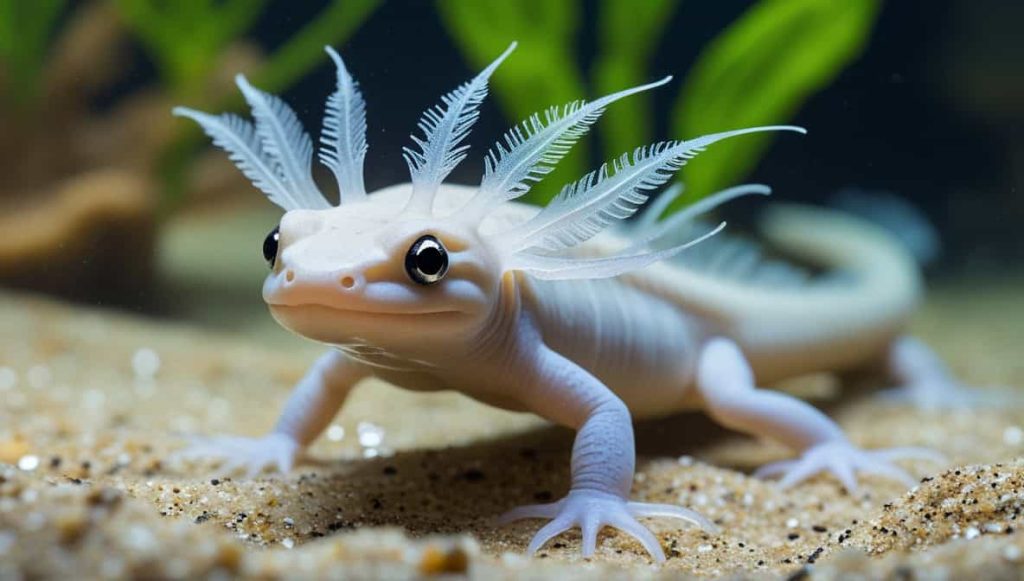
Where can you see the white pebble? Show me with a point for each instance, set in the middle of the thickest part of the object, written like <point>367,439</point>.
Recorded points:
<point>288,543</point>
<point>792,523</point>
<point>141,540</point>
<point>145,363</point>
<point>35,521</point>
<point>8,378</point>
<point>370,435</point>
<point>93,399</point>
<point>1013,436</point>
<point>336,433</point>
<point>1012,553</point>
<point>704,549</point>
<point>39,376</point>
<point>28,462</point>
<point>971,533</point>
<point>685,460</point>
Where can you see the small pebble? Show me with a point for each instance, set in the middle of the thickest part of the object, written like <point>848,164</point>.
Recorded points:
<point>8,378</point>
<point>971,533</point>
<point>1013,436</point>
<point>288,543</point>
<point>39,377</point>
<point>336,433</point>
<point>370,435</point>
<point>145,363</point>
<point>1012,553</point>
<point>28,462</point>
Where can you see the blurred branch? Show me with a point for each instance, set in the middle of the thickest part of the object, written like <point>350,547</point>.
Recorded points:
<point>759,71</point>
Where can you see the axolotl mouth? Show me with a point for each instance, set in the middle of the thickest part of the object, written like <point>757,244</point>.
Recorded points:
<point>348,312</point>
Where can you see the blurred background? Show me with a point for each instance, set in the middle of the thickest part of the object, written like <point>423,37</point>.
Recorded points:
<point>108,200</point>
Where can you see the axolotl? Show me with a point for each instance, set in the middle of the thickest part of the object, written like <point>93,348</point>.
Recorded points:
<point>579,312</point>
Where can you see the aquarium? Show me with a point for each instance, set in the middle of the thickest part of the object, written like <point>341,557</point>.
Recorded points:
<point>603,288</point>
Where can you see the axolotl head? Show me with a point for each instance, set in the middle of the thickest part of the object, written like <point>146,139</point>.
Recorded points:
<point>405,266</point>
<point>359,273</point>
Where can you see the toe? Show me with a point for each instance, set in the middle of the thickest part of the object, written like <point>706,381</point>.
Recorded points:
<point>548,510</point>
<point>843,470</point>
<point>801,471</point>
<point>589,529</point>
<point>643,535</point>
<point>775,468</point>
<point>548,532</point>
<point>889,471</point>
<point>909,453</point>
<point>644,509</point>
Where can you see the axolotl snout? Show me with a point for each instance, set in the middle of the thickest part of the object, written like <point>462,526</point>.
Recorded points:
<point>571,311</point>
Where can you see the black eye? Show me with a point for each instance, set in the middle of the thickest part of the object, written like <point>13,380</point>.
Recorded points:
<point>427,260</point>
<point>270,246</point>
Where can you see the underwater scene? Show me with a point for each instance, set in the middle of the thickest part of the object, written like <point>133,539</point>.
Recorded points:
<point>388,289</point>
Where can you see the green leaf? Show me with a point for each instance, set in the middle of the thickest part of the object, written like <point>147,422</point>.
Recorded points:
<point>185,38</point>
<point>305,49</point>
<point>759,71</point>
<point>542,72</point>
<point>628,32</point>
<point>25,29</point>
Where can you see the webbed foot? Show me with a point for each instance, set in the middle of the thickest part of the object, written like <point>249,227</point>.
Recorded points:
<point>591,511</point>
<point>843,460</point>
<point>236,453</point>
<point>926,383</point>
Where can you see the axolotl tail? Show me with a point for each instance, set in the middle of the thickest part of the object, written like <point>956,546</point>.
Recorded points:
<point>871,285</point>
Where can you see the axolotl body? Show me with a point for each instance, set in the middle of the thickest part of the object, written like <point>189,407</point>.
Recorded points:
<point>571,311</point>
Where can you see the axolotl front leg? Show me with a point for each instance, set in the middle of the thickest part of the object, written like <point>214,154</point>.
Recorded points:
<point>603,456</point>
<point>309,409</point>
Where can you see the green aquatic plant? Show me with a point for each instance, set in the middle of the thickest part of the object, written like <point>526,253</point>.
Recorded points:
<point>185,37</point>
<point>25,31</point>
<point>544,71</point>
<point>762,68</point>
<point>628,34</point>
<point>759,70</point>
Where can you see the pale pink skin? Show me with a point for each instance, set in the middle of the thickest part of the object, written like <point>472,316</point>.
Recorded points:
<point>590,355</point>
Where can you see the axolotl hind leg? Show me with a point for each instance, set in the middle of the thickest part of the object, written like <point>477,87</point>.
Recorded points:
<point>925,382</point>
<point>726,384</point>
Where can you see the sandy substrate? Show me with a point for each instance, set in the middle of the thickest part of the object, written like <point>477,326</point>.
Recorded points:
<point>93,404</point>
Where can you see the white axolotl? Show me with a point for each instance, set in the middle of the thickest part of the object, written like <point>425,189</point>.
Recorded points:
<point>439,287</point>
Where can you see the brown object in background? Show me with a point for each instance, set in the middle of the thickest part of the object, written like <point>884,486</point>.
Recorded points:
<point>91,238</point>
